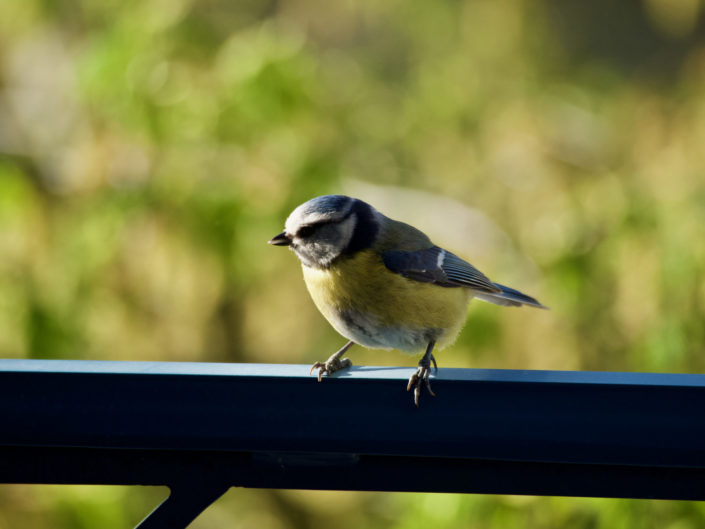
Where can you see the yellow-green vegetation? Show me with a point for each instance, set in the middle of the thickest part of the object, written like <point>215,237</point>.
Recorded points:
<point>148,150</point>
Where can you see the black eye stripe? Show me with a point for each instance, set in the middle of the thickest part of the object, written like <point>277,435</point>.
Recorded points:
<point>305,231</point>
<point>308,229</point>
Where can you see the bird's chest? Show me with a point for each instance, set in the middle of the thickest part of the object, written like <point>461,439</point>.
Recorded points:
<point>355,284</point>
<point>373,306</point>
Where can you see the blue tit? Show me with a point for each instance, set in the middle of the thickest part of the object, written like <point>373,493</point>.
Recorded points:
<point>383,284</point>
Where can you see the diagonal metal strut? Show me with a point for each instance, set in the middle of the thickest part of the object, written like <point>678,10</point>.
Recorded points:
<point>184,503</point>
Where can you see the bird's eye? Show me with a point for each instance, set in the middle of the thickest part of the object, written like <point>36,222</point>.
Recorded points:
<point>305,231</point>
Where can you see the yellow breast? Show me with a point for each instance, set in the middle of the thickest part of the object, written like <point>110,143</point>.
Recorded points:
<point>388,302</point>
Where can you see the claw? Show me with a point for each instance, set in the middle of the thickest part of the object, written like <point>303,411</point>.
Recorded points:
<point>334,363</point>
<point>412,381</point>
<point>420,379</point>
<point>321,369</point>
<point>330,366</point>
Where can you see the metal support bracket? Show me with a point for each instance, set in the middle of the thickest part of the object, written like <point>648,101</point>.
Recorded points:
<point>184,503</point>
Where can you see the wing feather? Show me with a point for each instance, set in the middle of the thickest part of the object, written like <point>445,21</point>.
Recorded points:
<point>436,265</point>
<point>510,297</point>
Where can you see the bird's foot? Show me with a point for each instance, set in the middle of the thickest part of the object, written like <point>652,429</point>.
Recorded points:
<point>330,366</point>
<point>420,379</point>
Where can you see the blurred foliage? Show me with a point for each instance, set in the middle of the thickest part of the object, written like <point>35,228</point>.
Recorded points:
<point>148,150</point>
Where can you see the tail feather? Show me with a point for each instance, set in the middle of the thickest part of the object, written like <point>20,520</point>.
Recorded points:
<point>509,297</point>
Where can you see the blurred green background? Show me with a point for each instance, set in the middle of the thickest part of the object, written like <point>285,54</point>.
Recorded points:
<point>148,150</point>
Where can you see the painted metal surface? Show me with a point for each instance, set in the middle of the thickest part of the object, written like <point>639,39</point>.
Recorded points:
<point>200,428</point>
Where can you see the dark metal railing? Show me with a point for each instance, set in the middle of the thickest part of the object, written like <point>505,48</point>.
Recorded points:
<point>202,428</point>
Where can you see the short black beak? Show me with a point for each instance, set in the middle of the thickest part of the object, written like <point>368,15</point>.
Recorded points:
<point>280,240</point>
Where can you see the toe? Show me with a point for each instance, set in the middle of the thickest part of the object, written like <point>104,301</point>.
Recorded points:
<point>317,365</point>
<point>419,380</point>
<point>417,394</point>
<point>412,380</point>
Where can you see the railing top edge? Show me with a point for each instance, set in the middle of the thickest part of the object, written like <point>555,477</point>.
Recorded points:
<point>356,372</point>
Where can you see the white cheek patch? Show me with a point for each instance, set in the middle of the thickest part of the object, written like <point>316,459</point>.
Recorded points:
<point>346,230</point>
<point>322,249</point>
<point>322,254</point>
<point>325,252</point>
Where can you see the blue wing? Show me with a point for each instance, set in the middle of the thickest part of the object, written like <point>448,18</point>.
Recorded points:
<point>438,266</point>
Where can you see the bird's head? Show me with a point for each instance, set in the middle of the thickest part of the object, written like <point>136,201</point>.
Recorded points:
<point>325,227</point>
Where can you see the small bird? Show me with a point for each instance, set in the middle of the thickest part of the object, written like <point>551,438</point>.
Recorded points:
<point>383,284</point>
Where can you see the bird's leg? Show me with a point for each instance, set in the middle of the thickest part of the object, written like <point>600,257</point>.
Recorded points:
<point>420,378</point>
<point>334,363</point>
